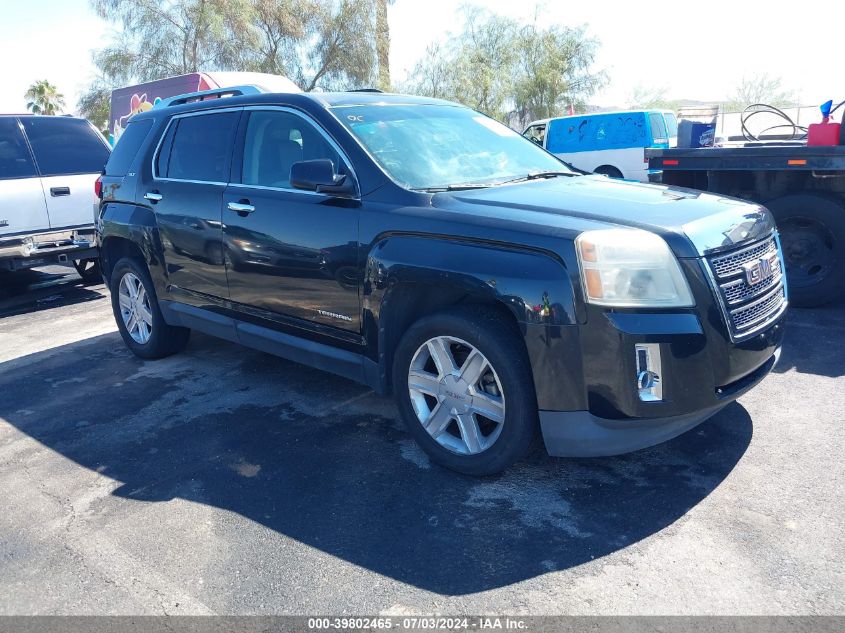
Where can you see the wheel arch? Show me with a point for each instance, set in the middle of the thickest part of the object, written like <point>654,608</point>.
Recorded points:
<point>609,169</point>
<point>131,231</point>
<point>409,277</point>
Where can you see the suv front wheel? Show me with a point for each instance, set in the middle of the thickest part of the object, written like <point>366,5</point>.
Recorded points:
<point>463,385</point>
<point>138,315</point>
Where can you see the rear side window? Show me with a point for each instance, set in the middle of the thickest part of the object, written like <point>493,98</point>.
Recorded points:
<point>201,148</point>
<point>15,159</point>
<point>658,127</point>
<point>127,147</point>
<point>65,146</point>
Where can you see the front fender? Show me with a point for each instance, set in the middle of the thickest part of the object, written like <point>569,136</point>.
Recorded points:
<point>533,285</point>
<point>408,276</point>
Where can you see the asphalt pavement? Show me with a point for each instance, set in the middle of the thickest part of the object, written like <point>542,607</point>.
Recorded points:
<point>227,481</point>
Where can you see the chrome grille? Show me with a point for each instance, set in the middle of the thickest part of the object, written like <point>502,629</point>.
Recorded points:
<point>731,264</point>
<point>739,290</point>
<point>751,314</point>
<point>748,307</point>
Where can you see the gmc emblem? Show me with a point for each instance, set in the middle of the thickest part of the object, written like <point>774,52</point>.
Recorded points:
<point>759,270</point>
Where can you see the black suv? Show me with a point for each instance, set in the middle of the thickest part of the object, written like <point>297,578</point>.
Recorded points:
<point>426,250</point>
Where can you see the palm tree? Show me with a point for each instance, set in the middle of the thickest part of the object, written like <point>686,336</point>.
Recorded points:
<point>44,98</point>
<point>383,43</point>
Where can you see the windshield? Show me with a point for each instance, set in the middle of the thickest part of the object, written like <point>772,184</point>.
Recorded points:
<point>671,124</point>
<point>437,146</point>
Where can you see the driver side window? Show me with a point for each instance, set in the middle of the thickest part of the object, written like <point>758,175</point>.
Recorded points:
<point>275,140</point>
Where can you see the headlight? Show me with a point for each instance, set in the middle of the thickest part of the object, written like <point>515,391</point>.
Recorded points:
<point>630,268</point>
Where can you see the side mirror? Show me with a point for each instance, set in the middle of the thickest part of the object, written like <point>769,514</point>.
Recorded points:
<point>319,175</point>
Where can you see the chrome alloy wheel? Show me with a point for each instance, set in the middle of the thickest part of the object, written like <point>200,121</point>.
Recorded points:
<point>456,395</point>
<point>135,308</point>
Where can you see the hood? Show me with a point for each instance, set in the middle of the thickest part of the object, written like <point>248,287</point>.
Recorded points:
<point>693,223</point>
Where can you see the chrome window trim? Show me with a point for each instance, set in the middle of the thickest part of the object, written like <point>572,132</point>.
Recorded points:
<point>176,117</point>
<point>281,189</point>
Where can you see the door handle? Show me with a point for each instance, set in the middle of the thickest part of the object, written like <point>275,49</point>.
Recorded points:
<point>153,196</point>
<point>243,208</point>
<point>59,191</point>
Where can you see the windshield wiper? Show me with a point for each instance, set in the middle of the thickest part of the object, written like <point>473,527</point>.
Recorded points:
<point>537,175</point>
<point>460,186</point>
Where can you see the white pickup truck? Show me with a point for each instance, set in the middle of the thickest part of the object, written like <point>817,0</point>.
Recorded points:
<point>48,169</point>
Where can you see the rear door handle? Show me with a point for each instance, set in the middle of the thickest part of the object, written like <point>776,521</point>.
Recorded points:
<point>153,196</point>
<point>243,209</point>
<point>59,191</point>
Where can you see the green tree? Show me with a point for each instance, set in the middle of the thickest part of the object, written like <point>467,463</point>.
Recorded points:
<point>318,44</point>
<point>512,72</point>
<point>94,105</point>
<point>554,71</point>
<point>44,98</point>
<point>651,97</point>
<point>760,88</point>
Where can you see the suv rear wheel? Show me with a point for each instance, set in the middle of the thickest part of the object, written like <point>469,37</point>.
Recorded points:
<point>138,315</point>
<point>463,385</point>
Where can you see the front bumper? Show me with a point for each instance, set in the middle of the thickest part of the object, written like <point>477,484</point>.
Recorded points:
<point>582,434</point>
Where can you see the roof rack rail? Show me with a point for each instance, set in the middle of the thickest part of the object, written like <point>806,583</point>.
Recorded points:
<point>233,91</point>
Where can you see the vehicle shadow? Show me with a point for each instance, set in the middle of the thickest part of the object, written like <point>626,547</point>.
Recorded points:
<point>815,341</point>
<point>37,289</point>
<point>322,460</point>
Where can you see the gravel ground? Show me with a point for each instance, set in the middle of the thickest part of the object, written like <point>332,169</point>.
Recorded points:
<point>227,481</point>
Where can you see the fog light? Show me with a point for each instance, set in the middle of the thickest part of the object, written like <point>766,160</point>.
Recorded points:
<point>649,385</point>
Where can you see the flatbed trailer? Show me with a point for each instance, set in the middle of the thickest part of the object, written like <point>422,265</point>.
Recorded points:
<point>804,187</point>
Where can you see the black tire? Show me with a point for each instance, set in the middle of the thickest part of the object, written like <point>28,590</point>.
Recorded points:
<point>501,344</point>
<point>609,171</point>
<point>89,270</point>
<point>812,234</point>
<point>164,339</point>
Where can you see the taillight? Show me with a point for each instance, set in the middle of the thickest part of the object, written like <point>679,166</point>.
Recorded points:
<point>98,187</point>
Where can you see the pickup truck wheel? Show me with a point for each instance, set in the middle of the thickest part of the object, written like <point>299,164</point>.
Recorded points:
<point>812,236</point>
<point>463,385</point>
<point>138,315</point>
<point>89,270</point>
<point>609,171</point>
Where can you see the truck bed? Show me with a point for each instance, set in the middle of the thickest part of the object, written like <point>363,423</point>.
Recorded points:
<point>749,157</point>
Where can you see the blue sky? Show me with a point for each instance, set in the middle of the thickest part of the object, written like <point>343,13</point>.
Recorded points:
<point>695,55</point>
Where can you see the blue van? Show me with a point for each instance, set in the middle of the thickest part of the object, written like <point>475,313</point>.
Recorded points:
<point>610,143</point>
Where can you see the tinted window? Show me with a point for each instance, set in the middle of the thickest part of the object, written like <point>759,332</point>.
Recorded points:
<point>658,126</point>
<point>202,147</point>
<point>275,141</point>
<point>65,146</point>
<point>15,160</point>
<point>127,147</point>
